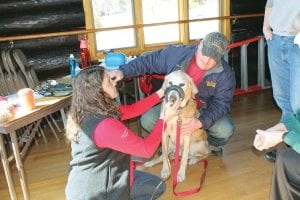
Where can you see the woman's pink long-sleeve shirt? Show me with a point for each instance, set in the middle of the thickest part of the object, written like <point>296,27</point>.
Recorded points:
<point>112,133</point>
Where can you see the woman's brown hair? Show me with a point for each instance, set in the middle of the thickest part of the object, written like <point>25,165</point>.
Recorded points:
<point>89,98</point>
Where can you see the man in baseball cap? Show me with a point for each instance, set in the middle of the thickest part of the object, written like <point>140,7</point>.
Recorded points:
<point>210,50</point>
<point>213,76</point>
<point>214,45</point>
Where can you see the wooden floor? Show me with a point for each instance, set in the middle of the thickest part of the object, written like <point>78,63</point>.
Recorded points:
<point>239,174</point>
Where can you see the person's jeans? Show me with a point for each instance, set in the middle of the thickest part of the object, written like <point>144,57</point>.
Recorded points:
<point>218,134</point>
<point>284,63</point>
<point>146,186</point>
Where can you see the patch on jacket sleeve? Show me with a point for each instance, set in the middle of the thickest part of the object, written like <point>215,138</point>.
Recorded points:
<point>211,84</point>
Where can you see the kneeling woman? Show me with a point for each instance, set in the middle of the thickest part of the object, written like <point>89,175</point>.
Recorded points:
<point>102,144</point>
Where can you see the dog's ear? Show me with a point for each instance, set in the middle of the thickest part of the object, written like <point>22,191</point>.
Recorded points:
<point>193,86</point>
<point>194,89</point>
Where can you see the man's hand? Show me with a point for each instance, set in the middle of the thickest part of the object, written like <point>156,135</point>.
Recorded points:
<point>116,75</point>
<point>266,24</point>
<point>268,33</point>
<point>191,126</point>
<point>297,39</point>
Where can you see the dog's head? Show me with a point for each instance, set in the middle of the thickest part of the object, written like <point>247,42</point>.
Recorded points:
<point>178,86</point>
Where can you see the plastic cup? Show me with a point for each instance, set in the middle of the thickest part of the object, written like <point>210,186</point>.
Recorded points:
<point>26,99</point>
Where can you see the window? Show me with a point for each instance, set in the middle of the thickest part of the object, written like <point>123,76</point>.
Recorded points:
<point>113,13</point>
<point>136,26</point>
<point>157,11</point>
<point>199,10</point>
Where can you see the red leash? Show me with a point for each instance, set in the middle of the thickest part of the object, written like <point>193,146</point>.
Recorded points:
<point>175,168</point>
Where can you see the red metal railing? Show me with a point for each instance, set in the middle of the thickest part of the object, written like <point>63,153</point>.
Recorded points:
<point>245,88</point>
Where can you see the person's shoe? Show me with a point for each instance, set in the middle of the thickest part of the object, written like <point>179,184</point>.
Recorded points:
<point>215,150</point>
<point>271,155</point>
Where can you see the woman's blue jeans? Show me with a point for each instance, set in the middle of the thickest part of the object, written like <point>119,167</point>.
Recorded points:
<point>218,134</point>
<point>284,63</point>
<point>146,186</point>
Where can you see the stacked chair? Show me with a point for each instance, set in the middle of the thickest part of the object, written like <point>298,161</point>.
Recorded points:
<point>16,74</point>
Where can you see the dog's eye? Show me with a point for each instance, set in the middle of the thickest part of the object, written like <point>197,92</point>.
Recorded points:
<point>181,84</point>
<point>170,83</point>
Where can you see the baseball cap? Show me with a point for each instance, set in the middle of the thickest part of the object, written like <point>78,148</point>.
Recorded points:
<point>214,45</point>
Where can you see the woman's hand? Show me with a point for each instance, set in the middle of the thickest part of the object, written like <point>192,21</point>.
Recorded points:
<point>267,139</point>
<point>160,93</point>
<point>278,127</point>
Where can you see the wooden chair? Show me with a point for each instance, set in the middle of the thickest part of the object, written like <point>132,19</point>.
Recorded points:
<point>28,72</point>
<point>19,78</point>
<point>8,78</point>
<point>20,75</point>
<point>3,83</point>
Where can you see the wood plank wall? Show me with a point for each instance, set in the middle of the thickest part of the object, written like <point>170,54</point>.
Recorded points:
<point>49,56</point>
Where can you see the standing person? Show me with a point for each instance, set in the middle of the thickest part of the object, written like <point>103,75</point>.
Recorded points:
<point>102,144</point>
<point>286,174</point>
<point>211,73</point>
<point>283,56</point>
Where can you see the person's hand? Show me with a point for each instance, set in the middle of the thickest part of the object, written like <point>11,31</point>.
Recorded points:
<point>278,127</point>
<point>267,139</point>
<point>168,111</point>
<point>191,126</point>
<point>297,39</point>
<point>268,33</point>
<point>116,74</point>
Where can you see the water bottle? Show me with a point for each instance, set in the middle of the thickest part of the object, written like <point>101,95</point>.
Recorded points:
<point>85,54</point>
<point>72,63</point>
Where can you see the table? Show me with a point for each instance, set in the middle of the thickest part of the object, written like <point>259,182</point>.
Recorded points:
<point>44,106</point>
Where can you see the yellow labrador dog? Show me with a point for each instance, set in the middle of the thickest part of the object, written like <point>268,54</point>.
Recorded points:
<point>193,147</point>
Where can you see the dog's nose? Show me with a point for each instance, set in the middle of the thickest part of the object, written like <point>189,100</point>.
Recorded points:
<point>174,94</point>
<point>173,97</point>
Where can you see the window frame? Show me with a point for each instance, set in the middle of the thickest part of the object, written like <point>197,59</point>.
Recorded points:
<point>138,26</point>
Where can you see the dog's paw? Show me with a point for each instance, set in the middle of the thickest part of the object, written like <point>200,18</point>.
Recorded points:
<point>180,176</point>
<point>172,156</point>
<point>150,163</point>
<point>153,162</point>
<point>193,161</point>
<point>165,173</point>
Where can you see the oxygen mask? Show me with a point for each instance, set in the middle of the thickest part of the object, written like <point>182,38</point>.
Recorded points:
<point>174,94</point>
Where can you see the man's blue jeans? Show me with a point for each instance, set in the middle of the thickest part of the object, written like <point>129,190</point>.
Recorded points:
<point>218,134</point>
<point>284,63</point>
<point>146,186</point>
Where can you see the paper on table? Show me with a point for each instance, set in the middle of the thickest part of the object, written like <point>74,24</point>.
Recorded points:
<point>14,99</point>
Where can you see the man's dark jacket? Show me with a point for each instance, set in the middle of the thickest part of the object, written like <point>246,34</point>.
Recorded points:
<point>216,90</point>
